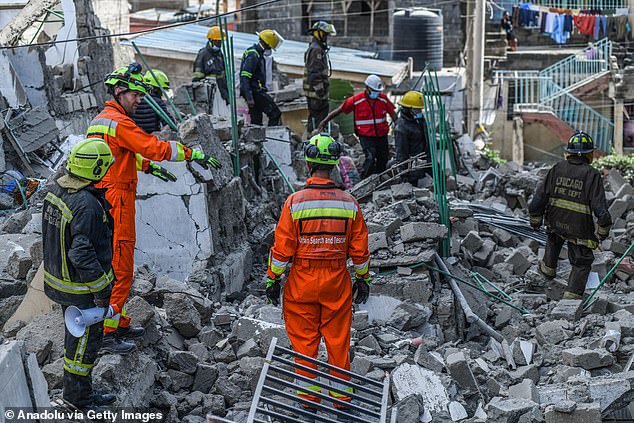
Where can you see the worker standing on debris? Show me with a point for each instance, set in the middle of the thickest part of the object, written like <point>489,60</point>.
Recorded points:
<point>144,116</point>
<point>133,150</point>
<point>253,78</point>
<point>370,108</point>
<point>77,245</point>
<point>210,62</point>
<point>565,201</point>
<point>410,132</point>
<point>317,73</point>
<point>319,228</point>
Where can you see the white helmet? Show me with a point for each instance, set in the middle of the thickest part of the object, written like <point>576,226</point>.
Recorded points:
<point>374,83</point>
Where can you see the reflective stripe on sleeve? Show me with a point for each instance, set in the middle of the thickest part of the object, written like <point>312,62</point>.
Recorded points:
<point>362,269</point>
<point>178,152</point>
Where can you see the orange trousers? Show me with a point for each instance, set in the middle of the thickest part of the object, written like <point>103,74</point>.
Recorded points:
<point>318,302</point>
<point>124,239</point>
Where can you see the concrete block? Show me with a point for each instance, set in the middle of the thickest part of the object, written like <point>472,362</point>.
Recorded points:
<point>183,361</point>
<point>609,391</point>
<point>411,379</point>
<point>587,359</point>
<point>19,264</point>
<point>625,189</point>
<point>568,310</point>
<point>463,226</point>
<point>618,207</point>
<point>14,389</point>
<point>401,210</point>
<point>615,180</point>
<point>182,314</point>
<point>402,191</point>
<point>481,256</point>
<point>417,231</point>
<point>39,386</point>
<point>583,413</point>
<point>519,261</point>
<point>461,372</point>
<point>205,377</point>
<point>502,237</point>
<point>429,359</point>
<point>526,390</point>
<point>509,410</point>
<point>472,242</point>
<point>457,411</point>
<point>377,241</point>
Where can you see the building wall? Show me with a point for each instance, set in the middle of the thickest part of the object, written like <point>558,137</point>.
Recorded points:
<point>114,15</point>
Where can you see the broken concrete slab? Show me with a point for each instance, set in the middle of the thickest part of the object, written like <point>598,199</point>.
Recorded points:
<point>377,241</point>
<point>409,379</point>
<point>133,377</point>
<point>582,413</point>
<point>526,390</point>
<point>417,231</point>
<point>567,310</point>
<point>586,359</point>
<point>552,332</point>
<point>460,370</point>
<point>182,314</point>
<point>509,410</point>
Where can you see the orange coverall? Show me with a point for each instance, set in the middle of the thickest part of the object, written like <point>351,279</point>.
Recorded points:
<point>128,143</point>
<point>319,228</point>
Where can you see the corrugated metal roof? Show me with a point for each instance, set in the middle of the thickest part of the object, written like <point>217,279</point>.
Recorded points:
<point>191,38</point>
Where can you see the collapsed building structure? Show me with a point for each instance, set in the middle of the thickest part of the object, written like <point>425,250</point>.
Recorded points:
<point>479,336</point>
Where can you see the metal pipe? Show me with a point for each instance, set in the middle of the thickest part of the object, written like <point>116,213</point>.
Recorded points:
<point>330,367</point>
<point>586,303</point>
<point>324,385</point>
<point>189,100</point>
<point>469,314</point>
<point>169,101</point>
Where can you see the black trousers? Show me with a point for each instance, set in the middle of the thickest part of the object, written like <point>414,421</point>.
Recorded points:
<point>264,104</point>
<point>376,152</point>
<point>317,111</point>
<point>80,355</point>
<point>581,259</point>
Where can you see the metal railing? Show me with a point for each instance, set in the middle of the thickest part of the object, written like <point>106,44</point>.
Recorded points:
<point>582,66</point>
<point>275,395</point>
<point>549,90</point>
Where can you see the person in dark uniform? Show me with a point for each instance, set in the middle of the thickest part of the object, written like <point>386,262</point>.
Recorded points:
<point>570,194</point>
<point>317,73</point>
<point>253,78</point>
<point>410,132</point>
<point>507,26</point>
<point>144,116</point>
<point>77,242</point>
<point>211,63</point>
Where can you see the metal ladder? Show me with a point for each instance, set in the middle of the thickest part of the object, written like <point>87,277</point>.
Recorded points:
<point>275,398</point>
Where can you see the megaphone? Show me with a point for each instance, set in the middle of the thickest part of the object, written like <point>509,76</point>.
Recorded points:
<point>78,320</point>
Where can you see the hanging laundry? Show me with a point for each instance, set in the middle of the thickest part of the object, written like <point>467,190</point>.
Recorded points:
<point>585,24</point>
<point>559,35</point>
<point>542,26</point>
<point>550,22</point>
<point>568,27</point>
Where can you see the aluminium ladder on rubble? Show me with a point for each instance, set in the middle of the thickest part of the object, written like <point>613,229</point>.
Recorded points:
<point>276,400</point>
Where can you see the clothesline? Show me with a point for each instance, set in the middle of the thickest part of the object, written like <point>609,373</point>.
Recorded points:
<point>560,23</point>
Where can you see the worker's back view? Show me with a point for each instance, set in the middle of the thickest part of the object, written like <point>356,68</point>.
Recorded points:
<point>319,228</point>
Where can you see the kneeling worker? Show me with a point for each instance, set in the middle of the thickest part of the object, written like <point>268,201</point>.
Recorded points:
<point>77,242</point>
<point>319,228</point>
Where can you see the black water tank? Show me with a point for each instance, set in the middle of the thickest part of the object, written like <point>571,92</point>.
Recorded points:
<point>417,33</point>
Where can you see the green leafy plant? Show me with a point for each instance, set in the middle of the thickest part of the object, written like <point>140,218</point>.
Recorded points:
<point>493,155</point>
<point>622,163</point>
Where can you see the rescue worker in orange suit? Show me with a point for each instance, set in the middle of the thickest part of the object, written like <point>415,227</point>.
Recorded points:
<point>133,150</point>
<point>565,201</point>
<point>77,245</point>
<point>370,109</point>
<point>319,228</point>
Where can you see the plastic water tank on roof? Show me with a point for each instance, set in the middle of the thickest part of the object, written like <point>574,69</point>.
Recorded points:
<point>417,33</point>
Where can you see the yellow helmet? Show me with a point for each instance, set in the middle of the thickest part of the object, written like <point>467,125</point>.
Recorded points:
<point>271,37</point>
<point>214,34</point>
<point>90,159</point>
<point>413,99</point>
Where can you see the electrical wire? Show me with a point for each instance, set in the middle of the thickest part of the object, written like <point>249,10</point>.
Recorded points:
<point>142,31</point>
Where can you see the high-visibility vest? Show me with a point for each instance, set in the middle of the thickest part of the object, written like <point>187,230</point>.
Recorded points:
<point>370,116</point>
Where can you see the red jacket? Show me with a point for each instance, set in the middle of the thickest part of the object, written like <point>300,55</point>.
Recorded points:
<point>370,116</point>
<point>320,222</point>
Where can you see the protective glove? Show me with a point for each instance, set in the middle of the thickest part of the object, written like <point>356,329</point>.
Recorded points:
<point>273,290</point>
<point>361,290</point>
<point>160,172</point>
<point>204,160</point>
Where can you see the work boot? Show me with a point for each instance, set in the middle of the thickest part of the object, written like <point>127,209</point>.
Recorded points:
<point>131,333</point>
<point>103,399</point>
<point>548,272</point>
<point>570,296</point>
<point>112,343</point>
